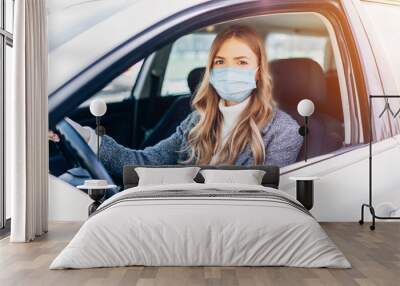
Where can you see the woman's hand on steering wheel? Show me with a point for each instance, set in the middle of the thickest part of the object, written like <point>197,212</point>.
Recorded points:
<point>53,137</point>
<point>85,132</point>
<point>75,144</point>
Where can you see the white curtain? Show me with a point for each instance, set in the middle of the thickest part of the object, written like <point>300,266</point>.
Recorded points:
<point>27,123</point>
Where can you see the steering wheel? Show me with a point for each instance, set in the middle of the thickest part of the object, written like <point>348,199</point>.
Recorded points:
<point>76,147</point>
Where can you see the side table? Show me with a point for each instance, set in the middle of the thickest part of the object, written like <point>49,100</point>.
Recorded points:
<point>96,189</point>
<point>305,190</point>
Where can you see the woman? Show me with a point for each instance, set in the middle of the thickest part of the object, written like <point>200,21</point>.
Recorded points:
<point>235,120</point>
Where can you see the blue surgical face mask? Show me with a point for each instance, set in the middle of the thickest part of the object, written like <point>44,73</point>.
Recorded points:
<point>233,84</point>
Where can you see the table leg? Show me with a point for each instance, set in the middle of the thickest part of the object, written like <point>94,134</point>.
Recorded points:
<point>305,193</point>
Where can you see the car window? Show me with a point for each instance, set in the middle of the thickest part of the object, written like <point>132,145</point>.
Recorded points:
<point>120,88</point>
<point>312,45</point>
<point>187,53</point>
<point>286,45</point>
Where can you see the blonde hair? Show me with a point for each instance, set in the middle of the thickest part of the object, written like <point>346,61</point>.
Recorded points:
<point>204,139</point>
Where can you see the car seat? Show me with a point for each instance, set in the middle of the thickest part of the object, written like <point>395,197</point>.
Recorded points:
<point>300,78</point>
<point>334,107</point>
<point>176,113</point>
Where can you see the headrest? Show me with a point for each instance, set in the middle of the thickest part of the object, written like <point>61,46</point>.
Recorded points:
<point>270,179</point>
<point>296,79</point>
<point>194,78</point>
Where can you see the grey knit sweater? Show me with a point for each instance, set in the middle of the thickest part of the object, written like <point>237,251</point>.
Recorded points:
<point>281,139</point>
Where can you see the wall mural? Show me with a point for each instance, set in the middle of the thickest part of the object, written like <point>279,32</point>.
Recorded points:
<point>227,97</point>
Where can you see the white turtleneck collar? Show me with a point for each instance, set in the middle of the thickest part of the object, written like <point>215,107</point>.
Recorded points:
<point>230,115</point>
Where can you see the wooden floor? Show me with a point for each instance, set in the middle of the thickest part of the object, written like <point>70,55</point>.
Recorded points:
<point>375,257</point>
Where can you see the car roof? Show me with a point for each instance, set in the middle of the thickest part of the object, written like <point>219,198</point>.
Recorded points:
<point>81,31</point>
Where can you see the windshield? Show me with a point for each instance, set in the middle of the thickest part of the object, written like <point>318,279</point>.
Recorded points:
<point>81,31</point>
<point>80,16</point>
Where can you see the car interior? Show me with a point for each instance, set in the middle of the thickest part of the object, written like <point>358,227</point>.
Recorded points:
<point>147,102</point>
